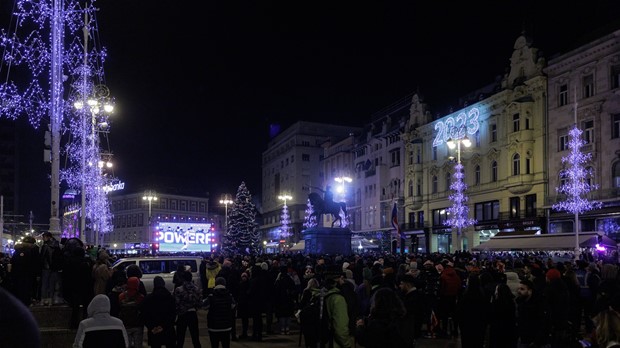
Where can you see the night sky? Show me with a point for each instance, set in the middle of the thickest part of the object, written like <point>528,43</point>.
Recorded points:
<point>197,86</point>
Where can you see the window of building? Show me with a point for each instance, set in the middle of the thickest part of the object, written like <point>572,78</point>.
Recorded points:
<point>515,122</point>
<point>410,158</point>
<point>615,126</point>
<point>615,76</point>
<point>493,133</point>
<point>305,157</point>
<point>563,179</point>
<point>589,175</point>
<point>477,175</point>
<point>418,155</point>
<point>527,123</point>
<point>516,164</point>
<point>515,206</point>
<point>448,181</point>
<point>421,218</point>
<point>563,95</point>
<point>530,205</point>
<point>588,131</point>
<point>477,136</point>
<point>588,85</point>
<point>419,187</point>
<point>440,216</point>
<point>410,188</point>
<point>615,174</point>
<point>528,166</point>
<point>494,171</point>
<point>563,142</point>
<point>434,181</point>
<point>487,210</point>
<point>434,153</point>
<point>395,158</point>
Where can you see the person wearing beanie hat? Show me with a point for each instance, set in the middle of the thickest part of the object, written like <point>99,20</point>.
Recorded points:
<point>553,274</point>
<point>220,306</point>
<point>159,313</point>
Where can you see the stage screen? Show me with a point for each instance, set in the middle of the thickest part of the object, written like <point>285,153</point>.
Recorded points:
<point>175,236</point>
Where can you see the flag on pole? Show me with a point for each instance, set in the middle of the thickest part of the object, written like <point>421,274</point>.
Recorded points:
<point>395,219</point>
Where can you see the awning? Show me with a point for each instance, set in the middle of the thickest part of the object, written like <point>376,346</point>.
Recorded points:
<point>555,241</point>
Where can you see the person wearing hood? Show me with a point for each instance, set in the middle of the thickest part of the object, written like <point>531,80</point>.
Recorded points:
<point>129,301</point>
<point>220,316</point>
<point>100,327</point>
<point>213,268</point>
<point>158,311</point>
<point>188,298</point>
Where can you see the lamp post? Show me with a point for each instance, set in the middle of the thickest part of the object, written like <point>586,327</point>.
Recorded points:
<point>458,209</point>
<point>150,197</point>
<point>341,180</point>
<point>95,111</point>
<point>285,217</point>
<point>226,201</point>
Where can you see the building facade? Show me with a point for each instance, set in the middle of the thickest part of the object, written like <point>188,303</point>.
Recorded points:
<point>292,165</point>
<point>584,89</point>
<point>139,225</point>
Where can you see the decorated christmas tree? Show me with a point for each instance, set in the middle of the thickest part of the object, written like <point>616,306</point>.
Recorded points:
<point>243,235</point>
<point>459,211</point>
<point>309,219</point>
<point>576,184</point>
<point>285,220</point>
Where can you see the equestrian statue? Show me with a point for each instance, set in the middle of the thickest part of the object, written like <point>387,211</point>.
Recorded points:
<point>326,205</point>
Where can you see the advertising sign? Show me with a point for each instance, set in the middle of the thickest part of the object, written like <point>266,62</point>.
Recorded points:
<point>179,236</point>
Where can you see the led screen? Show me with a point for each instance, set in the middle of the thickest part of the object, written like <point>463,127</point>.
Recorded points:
<point>175,236</point>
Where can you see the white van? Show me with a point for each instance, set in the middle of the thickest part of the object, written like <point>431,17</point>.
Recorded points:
<point>163,266</point>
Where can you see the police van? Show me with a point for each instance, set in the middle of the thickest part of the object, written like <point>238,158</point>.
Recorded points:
<point>163,266</point>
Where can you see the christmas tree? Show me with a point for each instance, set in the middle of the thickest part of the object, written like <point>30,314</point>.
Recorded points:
<point>285,219</point>
<point>459,211</point>
<point>576,185</point>
<point>243,235</point>
<point>309,219</point>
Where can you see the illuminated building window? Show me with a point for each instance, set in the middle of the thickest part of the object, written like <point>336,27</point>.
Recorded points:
<point>563,95</point>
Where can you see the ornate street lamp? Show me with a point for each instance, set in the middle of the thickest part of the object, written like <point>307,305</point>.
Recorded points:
<point>458,211</point>
<point>226,201</point>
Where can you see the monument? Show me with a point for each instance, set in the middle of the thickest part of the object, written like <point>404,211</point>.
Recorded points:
<point>327,240</point>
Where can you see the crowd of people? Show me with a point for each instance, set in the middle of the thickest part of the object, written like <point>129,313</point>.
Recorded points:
<point>486,300</point>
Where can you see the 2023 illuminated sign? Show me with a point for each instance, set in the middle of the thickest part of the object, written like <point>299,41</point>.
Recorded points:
<point>455,127</point>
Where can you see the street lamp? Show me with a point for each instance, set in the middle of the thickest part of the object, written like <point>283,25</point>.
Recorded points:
<point>341,180</point>
<point>95,111</point>
<point>459,208</point>
<point>226,201</point>
<point>285,217</point>
<point>150,197</point>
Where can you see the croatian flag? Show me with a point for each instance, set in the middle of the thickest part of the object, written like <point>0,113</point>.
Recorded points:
<point>395,219</point>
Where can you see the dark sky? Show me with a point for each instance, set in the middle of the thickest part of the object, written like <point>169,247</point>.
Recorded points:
<point>197,83</point>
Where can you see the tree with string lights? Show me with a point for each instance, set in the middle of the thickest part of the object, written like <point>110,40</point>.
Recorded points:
<point>309,217</point>
<point>575,184</point>
<point>285,220</point>
<point>243,235</point>
<point>45,72</point>
<point>459,211</point>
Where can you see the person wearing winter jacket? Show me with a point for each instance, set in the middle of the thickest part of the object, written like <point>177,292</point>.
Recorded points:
<point>158,311</point>
<point>220,316</point>
<point>129,301</point>
<point>188,298</point>
<point>100,327</point>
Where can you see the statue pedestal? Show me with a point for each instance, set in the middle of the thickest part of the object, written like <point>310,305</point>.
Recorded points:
<point>326,240</point>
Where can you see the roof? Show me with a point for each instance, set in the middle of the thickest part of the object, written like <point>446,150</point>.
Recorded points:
<point>555,241</point>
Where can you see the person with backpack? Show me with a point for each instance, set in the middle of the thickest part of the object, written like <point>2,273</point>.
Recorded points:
<point>325,320</point>
<point>383,327</point>
<point>129,312</point>
<point>52,262</point>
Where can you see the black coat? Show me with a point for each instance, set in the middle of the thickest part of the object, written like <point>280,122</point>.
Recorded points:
<point>220,306</point>
<point>158,309</point>
<point>284,296</point>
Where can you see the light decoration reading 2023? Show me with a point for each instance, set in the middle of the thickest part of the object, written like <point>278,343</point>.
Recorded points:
<point>451,127</point>
<point>179,236</point>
